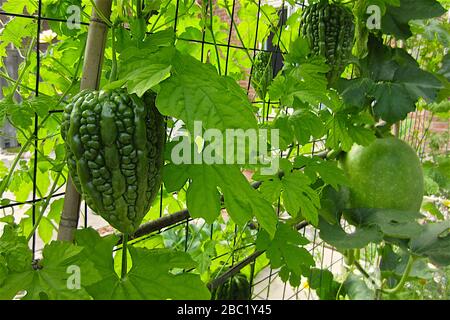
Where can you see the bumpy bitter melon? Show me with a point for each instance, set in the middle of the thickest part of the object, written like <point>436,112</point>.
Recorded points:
<point>114,144</point>
<point>235,288</point>
<point>329,29</point>
<point>262,73</point>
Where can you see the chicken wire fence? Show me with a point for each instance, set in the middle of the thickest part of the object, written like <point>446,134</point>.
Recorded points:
<point>184,232</point>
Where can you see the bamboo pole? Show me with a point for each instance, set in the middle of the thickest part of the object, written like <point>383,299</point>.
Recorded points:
<point>92,67</point>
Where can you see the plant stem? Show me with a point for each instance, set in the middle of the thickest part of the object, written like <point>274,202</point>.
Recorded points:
<point>210,27</point>
<point>138,8</point>
<point>364,272</point>
<point>9,79</point>
<point>22,150</point>
<point>100,14</point>
<point>44,206</point>
<point>27,64</point>
<point>272,25</point>
<point>113,75</point>
<point>237,32</point>
<point>5,182</point>
<point>124,256</point>
<point>405,276</point>
<point>159,16</point>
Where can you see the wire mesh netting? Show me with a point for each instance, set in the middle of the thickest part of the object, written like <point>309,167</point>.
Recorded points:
<point>237,32</point>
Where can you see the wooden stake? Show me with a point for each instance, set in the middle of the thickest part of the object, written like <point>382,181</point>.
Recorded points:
<point>92,67</point>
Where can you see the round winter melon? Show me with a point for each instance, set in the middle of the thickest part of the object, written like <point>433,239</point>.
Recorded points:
<point>386,174</point>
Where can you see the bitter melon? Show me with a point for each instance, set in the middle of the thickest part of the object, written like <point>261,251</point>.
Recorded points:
<point>114,144</point>
<point>235,288</point>
<point>262,73</point>
<point>329,29</point>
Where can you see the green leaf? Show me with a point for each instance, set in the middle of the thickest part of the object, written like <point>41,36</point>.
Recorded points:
<point>303,78</point>
<point>144,68</point>
<point>433,242</point>
<point>343,133</point>
<point>151,276</point>
<point>203,198</point>
<point>355,91</point>
<point>41,104</point>
<point>271,189</point>
<point>14,33</point>
<point>431,208</point>
<point>242,201</point>
<point>337,237</point>
<point>17,6</point>
<point>327,170</point>
<point>299,197</point>
<point>14,249</point>
<point>286,134</point>
<point>445,70</point>
<point>286,250</point>
<point>195,92</point>
<point>357,289</point>
<point>393,102</point>
<point>419,83</point>
<point>145,77</point>
<point>397,18</point>
<point>50,281</point>
<point>393,264</point>
<point>306,124</point>
<point>45,230</point>
<point>391,83</point>
<point>323,282</point>
<point>60,10</point>
<point>20,116</point>
<point>393,223</point>
<point>56,208</point>
<point>332,203</point>
<point>174,177</point>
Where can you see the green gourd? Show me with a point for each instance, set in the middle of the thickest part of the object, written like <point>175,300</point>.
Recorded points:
<point>235,288</point>
<point>114,144</point>
<point>329,29</point>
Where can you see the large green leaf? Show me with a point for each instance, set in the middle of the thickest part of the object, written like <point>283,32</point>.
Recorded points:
<point>328,171</point>
<point>195,92</point>
<point>357,289</point>
<point>14,32</point>
<point>203,200</point>
<point>286,251</point>
<point>337,237</point>
<point>50,279</point>
<point>323,282</point>
<point>343,132</point>
<point>391,83</point>
<point>299,197</point>
<point>306,124</point>
<point>433,242</point>
<point>151,276</point>
<point>445,70</point>
<point>14,250</point>
<point>397,18</point>
<point>393,223</point>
